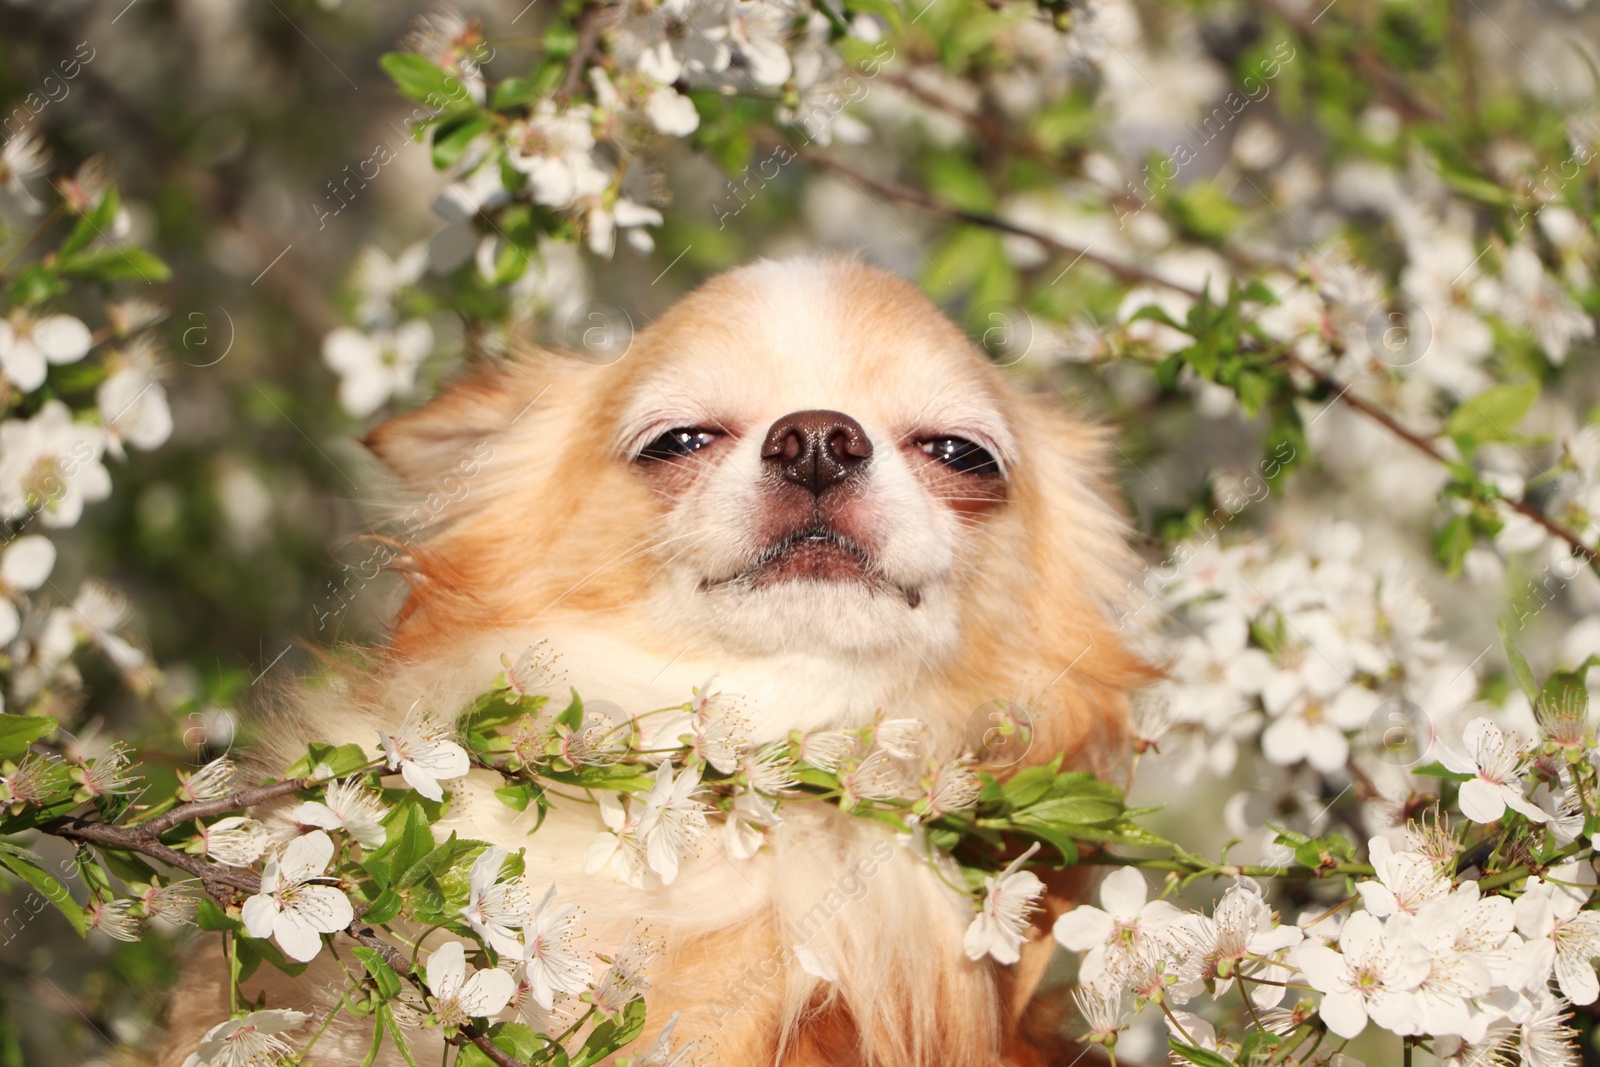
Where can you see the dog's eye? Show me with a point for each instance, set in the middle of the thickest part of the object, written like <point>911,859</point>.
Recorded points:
<point>959,454</point>
<point>677,443</point>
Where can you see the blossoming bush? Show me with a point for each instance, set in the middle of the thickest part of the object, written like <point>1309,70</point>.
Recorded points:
<point>1329,271</point>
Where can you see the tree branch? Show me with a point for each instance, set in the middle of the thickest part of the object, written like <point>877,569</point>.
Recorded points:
<point>1344,395</point>
<point>588,26</point>
<point>1125,272</point>
<point>221,883</point>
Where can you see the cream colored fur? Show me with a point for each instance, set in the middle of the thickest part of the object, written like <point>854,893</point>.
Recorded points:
<point>560,538</point>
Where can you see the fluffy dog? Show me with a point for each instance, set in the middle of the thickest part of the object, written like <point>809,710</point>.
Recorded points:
<point>804,480</point>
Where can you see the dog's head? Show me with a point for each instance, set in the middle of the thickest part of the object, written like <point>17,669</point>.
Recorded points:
<point>800,459</point>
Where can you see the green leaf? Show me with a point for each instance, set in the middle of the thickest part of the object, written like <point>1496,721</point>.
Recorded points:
<point>1029,786</point>
<point>93,223</point>
<point>1519,665</point>
<point>1123,832</point>
<point>46,884</point>
<point>390,1023</point>
<point>115,265</point>
<point>494,710</point>
<point>340,760</point>
<point>1492,415</point>
<point>35,284</point>
<point>422,80</point>
<point>384,908</point>
<point>17,732</point>
<point>252,951</point>
<point>517,796</point>
<point>1452,542</point>
<point>1256,1042</point>
<point>451,139</point>
<point>208,916</point>
<point>611,1035</point>
<point>1439,770</point>
<point>622,777</point>
<point>1202,1057</point>
<point>413,841</point>
<point>513,93</point>
<point>383,975</point>
<point>378,1028</point>
<point>514,1038</point>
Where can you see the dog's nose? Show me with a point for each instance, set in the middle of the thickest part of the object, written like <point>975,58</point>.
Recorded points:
<point>817,449</point>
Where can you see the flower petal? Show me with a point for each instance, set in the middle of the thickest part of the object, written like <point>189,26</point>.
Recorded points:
<point>1083,928</point>
<point>1123,892</point>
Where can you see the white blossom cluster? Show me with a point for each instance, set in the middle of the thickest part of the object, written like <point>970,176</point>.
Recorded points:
<point>594,161</point>
<point>1312,653</point>
<point>54,455</point>
<point>1482,978</point>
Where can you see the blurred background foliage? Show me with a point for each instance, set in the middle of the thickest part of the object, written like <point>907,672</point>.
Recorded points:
<point>1018,160</point>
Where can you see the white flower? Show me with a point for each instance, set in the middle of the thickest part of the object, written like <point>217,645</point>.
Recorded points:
<point>1009,898</point>
<point>532,671</point>
<point>1560,934</point>
<point>1100,1008</point>
<point>1313,729</point>
<point>215,779</point>
<point>670,112</point>
<point>1238,933</point>
<point>292,906</point>
<point>744,830</point>
<point>625,978</point>
<point>901,738</point>
<point>494,908</point>
<point>114,918</point>
<point>248,1042</point>
<point>373,367</point>
<point>379,280</point>
<point>347,806</point>
<point>237,841</point>
<point>1406,881</point>
<point>1547,1040</point>
<point>1113,936</point>
<point>1369,977</point>
<point>27,345</point>
<point>720,734</point>
<point>672,820</point>
<point>953,786</point>
<point>24,567</point>
<point>425,755</point>
<point>825,748</point>
<point>550,965</point>
<point>1538,303</point>
<point>133,406</point>
<point>23,158</point>
<point>97,613</point>
<point>619,843</point>
<point>175,904</point>
<point>553,148</point>
<point>1461,938</point>
<point>51,464</point>
<point>459,997</point>
<point>661,1053</point>
<point>1494,760</point>
<point>630,218</point>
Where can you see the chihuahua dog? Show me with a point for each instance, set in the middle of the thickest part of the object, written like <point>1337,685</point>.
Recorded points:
<point>806,481</point>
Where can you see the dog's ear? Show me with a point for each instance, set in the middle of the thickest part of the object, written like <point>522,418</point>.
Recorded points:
<point>425,445</point>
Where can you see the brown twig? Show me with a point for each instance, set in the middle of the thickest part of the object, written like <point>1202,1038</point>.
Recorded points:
<point>1126,272</point>
<point>221,883</point>
<point>1129,273</point>
<point>1344,395</point>
<point>588,26</point>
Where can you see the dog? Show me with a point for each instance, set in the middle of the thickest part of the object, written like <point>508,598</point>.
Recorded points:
<point>804,480</point>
